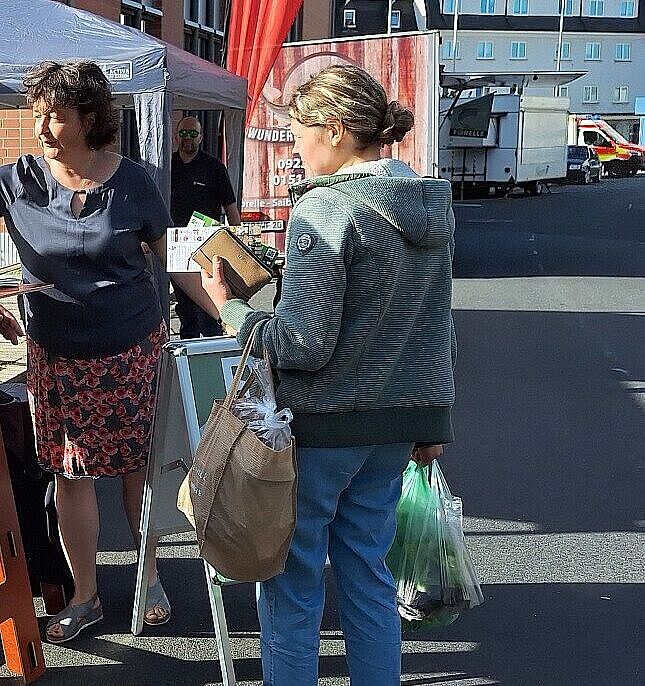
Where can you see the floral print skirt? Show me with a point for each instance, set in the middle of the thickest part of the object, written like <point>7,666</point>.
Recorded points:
<point>93,417</point>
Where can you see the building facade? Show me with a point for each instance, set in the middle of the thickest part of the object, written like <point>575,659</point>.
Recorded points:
<point>604,38</point>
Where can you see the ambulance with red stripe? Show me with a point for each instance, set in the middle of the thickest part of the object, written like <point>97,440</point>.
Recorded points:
<point>619,157</point>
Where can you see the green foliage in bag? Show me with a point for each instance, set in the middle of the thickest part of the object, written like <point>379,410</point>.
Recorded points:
<point>434,575</point>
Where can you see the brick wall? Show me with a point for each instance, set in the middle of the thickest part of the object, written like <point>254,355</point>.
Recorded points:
<point>110,9</point>
<point>172,22</point>
<point>16,135</point>
<point>16,138</point>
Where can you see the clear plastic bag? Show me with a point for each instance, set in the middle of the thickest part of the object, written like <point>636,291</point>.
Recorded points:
<point>258,410</point>
<point>429,561</point>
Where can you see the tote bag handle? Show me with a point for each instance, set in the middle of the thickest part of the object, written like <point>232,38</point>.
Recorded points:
<point>233,390</point>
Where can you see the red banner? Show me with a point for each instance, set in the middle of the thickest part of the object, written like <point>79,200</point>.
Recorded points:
<point>257,29</point>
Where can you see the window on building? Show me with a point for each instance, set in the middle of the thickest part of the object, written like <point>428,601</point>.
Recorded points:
<point>395,20</point>
<point>592,51</point>
<point>295,32</point>
<point>565,51</point>
<point>142,15</point>
<point>447,51</point>
<point>621,94</point>
<point>596,8</point>
<point>191,10</point>
<point>564,91</point>
<point>485,50</point>
<point>518,50</point>
<point>129,19</point>
<point>590,94</point>
<point>206,13</point>
<point>349,19</point>
<point>203,32</point>
<point>487,6</point>
<point>623,52</point>
<point>449,6</point>
<point>520,6</point>
<point>205,43</point>
<point>568,8</point>
<point>627,8</point>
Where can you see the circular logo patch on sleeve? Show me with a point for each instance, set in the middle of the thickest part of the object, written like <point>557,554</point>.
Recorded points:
<point>305,242</point>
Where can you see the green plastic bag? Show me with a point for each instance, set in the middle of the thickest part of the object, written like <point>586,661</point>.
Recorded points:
<point>434,575</point>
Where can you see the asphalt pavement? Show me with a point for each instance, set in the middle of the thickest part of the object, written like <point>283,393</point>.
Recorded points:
<point>595,230</point>
<point>548,459</point>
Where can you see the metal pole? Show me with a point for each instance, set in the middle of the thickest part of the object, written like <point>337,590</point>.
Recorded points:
<point>390,4</point>
<point>560,30</point>
<point>454,36</point>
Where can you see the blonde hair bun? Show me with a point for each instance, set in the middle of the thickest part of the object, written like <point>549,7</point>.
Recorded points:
<point>397,122</point>
<point>349,94</point>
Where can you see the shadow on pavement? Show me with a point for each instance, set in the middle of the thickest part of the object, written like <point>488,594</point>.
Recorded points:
<point>549,431</point>
<point>491,253</point>
<point>540,635</point>
<point>548,424</point>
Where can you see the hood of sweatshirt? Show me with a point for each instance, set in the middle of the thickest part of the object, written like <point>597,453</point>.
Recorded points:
<point>420,208</point>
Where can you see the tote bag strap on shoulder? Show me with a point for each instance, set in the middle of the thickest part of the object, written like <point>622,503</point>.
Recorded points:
<point>232,394</point>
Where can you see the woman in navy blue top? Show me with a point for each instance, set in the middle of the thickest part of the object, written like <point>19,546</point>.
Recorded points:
<point>78,216</point>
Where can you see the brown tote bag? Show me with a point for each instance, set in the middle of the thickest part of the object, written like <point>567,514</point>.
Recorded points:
<point>242,494</point>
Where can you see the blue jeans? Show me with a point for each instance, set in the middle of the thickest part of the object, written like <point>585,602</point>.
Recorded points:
<point>346,509</point>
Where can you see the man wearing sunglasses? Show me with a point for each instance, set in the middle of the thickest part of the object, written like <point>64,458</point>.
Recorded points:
<point>200,183</point>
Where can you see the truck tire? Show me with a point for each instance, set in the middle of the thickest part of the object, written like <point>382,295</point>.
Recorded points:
<point>533,188</point>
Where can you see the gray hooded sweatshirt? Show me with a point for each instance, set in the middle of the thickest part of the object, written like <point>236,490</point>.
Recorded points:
<point>362,337</point>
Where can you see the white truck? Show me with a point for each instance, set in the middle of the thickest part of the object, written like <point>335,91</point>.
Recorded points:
<point>525,142</point>
<point>525,145</point>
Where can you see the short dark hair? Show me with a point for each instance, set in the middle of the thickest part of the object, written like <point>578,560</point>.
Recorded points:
<point>81,86</point>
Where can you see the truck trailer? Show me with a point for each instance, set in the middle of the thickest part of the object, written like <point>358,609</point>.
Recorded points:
<point>525,145</point>
<point>523,139</point>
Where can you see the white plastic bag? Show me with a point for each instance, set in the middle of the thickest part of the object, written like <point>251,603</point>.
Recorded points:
<point>259,412</point>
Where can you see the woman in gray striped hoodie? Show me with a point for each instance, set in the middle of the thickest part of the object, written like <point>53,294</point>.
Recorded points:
<point>363,342</point>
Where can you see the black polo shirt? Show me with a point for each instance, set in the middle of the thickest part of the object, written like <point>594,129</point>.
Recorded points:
<point>201,185</point>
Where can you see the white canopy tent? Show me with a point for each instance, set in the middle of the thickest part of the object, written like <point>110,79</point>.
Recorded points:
<point>146,74</point>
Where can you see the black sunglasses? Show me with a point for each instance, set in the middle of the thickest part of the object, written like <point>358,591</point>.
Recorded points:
<point>183,133</point>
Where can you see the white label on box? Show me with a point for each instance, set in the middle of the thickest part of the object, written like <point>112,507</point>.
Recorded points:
<point>273,225</point>
<point>182,243</point>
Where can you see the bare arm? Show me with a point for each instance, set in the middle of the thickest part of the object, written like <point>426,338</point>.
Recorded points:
<point>9,326</point>
<point>233,214</point>
<point>191,283</point>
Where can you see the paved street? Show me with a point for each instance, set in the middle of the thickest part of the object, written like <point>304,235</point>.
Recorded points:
<point>549,303</point>
<point>572,231</point>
